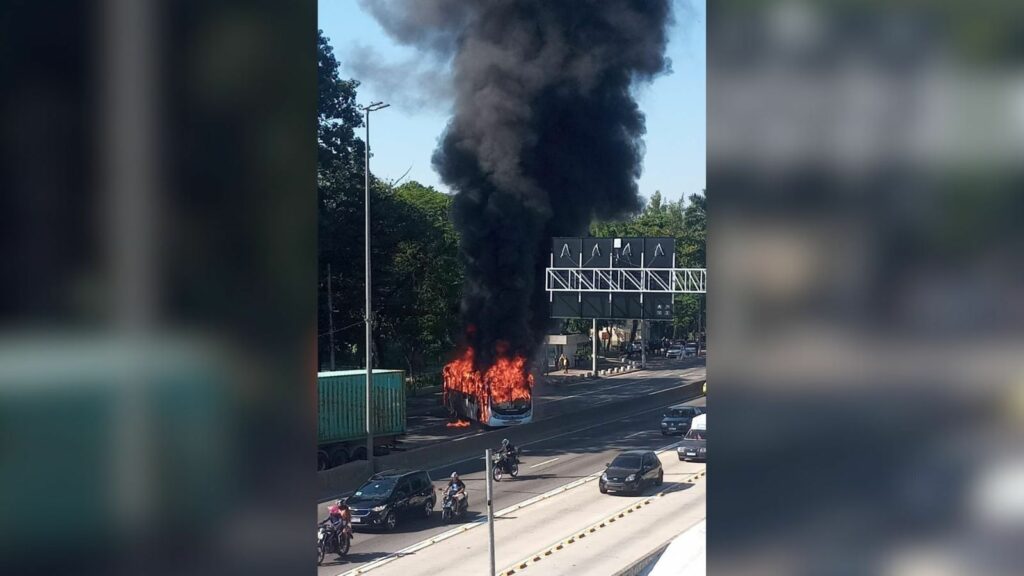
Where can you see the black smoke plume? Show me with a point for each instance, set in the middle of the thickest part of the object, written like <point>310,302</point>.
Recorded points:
<point>545,136</point>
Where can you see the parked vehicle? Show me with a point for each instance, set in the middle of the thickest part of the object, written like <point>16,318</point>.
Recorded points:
<point>675,352</point>
<point>504,466</point>
<point>695,443</point>
<point>453,506</point>
<point>677,419</point>
<point>631,471</point>
<point>391,495</point>
<point>331,541</point>
<point>341,416</point>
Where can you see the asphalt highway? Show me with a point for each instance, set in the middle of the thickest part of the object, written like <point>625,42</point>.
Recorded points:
<point>553,400</point>
<point>546,464</point>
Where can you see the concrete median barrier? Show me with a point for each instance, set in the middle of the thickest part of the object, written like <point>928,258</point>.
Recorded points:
<point>342,478</point>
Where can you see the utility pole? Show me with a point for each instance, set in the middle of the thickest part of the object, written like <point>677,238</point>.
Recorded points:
<point>700,327</point>
<point>593,355</point>
<point>643,344</point>
<point>330,313</point>
<point>490,508</point>
<point>373,107</point>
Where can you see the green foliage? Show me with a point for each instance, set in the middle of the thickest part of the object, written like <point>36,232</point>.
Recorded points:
<point>425,277</point>
<point>416,273</point>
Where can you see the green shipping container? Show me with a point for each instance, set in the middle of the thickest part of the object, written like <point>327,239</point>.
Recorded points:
<point>342,405</point>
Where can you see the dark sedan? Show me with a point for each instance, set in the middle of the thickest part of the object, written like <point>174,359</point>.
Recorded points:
<point>632,472</point>
<point>678,418</point>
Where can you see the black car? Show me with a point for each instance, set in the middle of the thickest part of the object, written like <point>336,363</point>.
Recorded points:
<point>678,418</point>
<point>387,496</point>
<point>632,472</point>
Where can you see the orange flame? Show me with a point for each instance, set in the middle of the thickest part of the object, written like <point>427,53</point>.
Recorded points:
<point>507,380</point>
<point>458,424</point>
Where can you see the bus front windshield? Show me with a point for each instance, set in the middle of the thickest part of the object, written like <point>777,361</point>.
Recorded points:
<point>520,406</point>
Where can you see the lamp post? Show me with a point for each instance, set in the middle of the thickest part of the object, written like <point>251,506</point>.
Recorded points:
<point>373,107</point>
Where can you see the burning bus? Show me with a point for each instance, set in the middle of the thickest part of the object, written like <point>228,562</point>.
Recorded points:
<point>501,395</point>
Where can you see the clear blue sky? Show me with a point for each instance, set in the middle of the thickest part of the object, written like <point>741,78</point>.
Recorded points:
<point>675,104</point>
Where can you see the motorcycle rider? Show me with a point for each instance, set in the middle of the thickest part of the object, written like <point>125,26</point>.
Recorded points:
<point>508,452</point>
<point>457,490</point>
<point>338,521</point>
<point>346,517</point>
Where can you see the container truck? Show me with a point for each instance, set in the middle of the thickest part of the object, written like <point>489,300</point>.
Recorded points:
<point>341,414</point>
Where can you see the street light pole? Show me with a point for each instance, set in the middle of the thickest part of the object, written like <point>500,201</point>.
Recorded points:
<point>373,107</point>
<point>490,508</point>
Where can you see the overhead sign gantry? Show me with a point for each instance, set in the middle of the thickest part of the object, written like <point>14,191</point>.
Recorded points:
<point>617,279</point>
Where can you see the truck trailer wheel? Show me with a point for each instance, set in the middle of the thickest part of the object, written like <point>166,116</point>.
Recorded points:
<point>339,456</point>
<point>359,453</point>
<point>323,462</point>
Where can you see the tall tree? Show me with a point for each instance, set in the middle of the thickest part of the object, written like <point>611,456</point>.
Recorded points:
<point>340,173</point>
<point>416,272</point>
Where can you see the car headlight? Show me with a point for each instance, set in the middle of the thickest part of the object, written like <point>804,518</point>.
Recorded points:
<point>631,477</point>
<point>604,476</point>
<point>379,508</point>
<point>703,450</point>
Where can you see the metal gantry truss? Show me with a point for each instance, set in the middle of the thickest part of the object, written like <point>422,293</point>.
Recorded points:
<point>627,280</point>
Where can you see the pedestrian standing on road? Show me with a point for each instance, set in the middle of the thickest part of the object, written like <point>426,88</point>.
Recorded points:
<point>563,362</point>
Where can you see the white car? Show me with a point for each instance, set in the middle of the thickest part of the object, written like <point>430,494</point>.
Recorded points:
<point>675,352</point>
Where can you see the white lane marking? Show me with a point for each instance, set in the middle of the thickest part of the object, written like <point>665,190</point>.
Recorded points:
<point>468,437</point>
<point>667,389</point>
<point>546,462</point>
<point>638,433</point>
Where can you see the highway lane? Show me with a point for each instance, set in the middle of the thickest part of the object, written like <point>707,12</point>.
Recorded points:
<point>552,400</point>
<point>546,464</point>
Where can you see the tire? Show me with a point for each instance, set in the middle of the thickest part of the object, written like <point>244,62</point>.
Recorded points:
<point>339,456</point>
<point>496,473</point>
<point>446,516</point>
<point>344,545</point>
<point>390,521</point>
<point>515,470</point>
<point>319,554</point>
<point>428,510</point>
<point>602,489</point>
<point>359,453</point>
<point>322,461</point>
<point>661,478</point>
